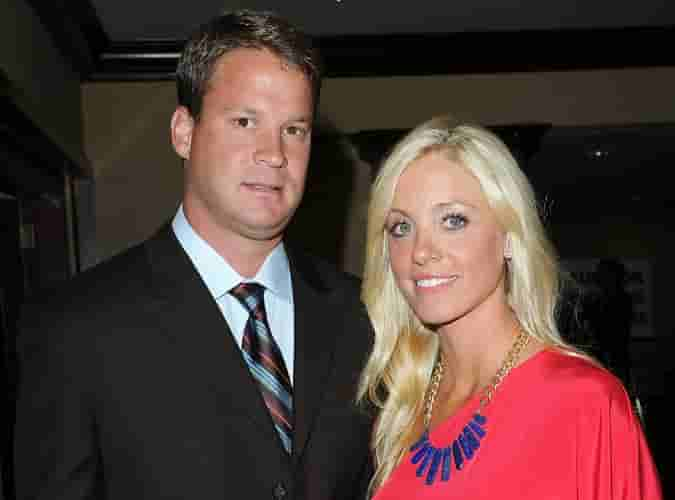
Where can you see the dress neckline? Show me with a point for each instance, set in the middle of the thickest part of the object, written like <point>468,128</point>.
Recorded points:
<point>470,406</point>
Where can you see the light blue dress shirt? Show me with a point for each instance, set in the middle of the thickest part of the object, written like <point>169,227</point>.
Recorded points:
<point>220,278</point>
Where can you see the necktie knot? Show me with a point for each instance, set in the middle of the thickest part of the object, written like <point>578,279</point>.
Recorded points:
<point>250,295</point>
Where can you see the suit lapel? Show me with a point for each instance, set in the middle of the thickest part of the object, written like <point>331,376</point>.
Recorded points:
<point>193,322</point>
<point>314,348</point>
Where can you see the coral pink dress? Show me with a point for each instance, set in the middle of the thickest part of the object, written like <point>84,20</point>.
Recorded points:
<point>558,428</point>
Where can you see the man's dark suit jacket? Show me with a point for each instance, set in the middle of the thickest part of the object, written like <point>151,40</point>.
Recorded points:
<point>132,387</point>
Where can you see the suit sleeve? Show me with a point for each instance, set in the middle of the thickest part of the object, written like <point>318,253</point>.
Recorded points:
<point>614,460</point>
<point>55,452</point>
<point>361,486</point>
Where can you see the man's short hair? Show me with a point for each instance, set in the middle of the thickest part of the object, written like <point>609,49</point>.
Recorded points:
<point>235,30</point>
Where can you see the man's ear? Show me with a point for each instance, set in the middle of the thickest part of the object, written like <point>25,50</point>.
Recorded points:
<point>182,125</point>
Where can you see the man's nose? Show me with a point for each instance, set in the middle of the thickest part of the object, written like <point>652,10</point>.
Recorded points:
<point>270,150</point>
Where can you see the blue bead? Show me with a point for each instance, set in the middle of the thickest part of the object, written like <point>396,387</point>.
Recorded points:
<point>427,458</point>
<point>468,451</point>
<point>423,439</point>
<point>480,432</point>
<point>430,460</point>
<point>445,472</point>
<point>479,419</point>
<point>470,438</point>
<point>433,468</point>
<point>421,453</point>
<point>457,453</point>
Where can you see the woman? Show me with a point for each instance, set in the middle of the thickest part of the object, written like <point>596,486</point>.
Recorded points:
<point>479,397</point>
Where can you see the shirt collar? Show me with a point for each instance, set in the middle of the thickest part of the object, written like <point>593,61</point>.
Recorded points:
<point>218,274</point>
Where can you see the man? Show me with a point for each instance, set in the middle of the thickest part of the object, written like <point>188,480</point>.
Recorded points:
<point>143,379</point>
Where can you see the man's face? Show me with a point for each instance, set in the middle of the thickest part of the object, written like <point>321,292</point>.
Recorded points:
<point>246,156</point>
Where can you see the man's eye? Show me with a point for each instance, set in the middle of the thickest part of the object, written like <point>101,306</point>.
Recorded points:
<point>243,122</point>
<point>296,131</point>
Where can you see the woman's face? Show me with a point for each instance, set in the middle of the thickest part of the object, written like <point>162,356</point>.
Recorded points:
<point>446,246</point>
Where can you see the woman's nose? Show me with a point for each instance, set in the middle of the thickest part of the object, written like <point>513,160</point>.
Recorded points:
<point>425,249</point>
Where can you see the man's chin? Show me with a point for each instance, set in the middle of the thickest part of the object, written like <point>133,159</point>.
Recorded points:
<point>272,230</point>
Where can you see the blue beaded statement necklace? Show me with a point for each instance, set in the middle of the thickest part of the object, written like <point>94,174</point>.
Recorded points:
<point>464,447</point>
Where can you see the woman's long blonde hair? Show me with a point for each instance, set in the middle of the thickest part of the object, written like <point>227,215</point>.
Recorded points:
<point>397,373</point>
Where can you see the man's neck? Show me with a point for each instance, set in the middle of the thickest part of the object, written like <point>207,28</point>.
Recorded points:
<point>245,254</point>
<point>246,257</point>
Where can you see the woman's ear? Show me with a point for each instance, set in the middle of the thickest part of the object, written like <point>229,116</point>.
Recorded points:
<point>508,250</point>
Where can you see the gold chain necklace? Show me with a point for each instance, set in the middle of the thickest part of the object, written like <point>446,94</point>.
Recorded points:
<point>465,446</point>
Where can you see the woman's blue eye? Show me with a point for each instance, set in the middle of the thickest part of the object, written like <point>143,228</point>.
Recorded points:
<point>455,221</point>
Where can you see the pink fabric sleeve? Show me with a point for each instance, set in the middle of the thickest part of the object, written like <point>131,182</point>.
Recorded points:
<point>614,460</point>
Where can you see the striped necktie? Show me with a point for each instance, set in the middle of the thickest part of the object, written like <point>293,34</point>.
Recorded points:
<point>264,359</point>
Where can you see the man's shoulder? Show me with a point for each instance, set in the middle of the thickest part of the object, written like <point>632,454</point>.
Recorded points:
<point>102,291</point>
<point>340,293</point>
<point>82,307</point>
<point>100,279</point>
<point>323,273</point>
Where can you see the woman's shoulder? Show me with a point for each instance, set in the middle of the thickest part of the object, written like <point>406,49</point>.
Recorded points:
<point>569,373</point>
